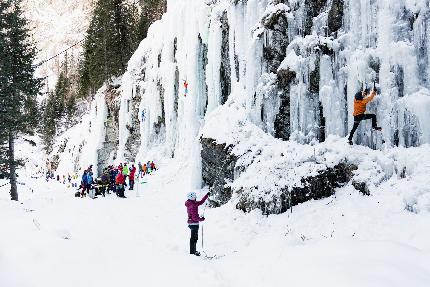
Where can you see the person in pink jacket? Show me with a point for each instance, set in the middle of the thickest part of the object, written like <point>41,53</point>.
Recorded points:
<point>193,219</point>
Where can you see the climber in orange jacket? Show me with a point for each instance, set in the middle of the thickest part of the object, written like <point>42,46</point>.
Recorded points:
<point>360,102</point>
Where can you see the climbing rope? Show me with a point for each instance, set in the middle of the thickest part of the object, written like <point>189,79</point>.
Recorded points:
<point>62,52</point>
<point>4,184</point>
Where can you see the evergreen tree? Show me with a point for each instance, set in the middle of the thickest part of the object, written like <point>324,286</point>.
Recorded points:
<point>152,10</point>
<point>18,86</point>
<point>49,122</point>
<point>62,89</point>
<point>109,44</point>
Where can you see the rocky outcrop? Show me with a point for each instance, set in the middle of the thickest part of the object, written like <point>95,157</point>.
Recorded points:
<point>313,187</point>
<point>361,187</point>
<point>107,154</point>
<point>335,16</point>
<point>218,165</point>
<point>133,140</point>
<point>225,71</point>
<point>282,121</point>
<point>276,29</point>
<point>313,9</point>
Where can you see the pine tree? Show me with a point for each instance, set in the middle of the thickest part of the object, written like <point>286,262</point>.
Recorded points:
<point>49,122</point>
<point>152,10</point>
<point>109,44</point>
<point>18,85</point>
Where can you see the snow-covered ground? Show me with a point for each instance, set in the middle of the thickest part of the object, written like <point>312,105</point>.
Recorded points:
<point>50,238</point>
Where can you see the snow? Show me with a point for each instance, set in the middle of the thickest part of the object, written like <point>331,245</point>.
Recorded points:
<point>53,238</point>
<point>348,239</point>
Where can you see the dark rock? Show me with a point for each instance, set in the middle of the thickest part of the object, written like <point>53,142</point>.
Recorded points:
<point>274,50</point>
<point>217,169</point>
<point>175,48</point>
<point>421,46</point>
<point>285,78</point>
<point>321,134</point>
<point>324,49</point>
<point>399,79</point>
<point>314,187</point>
<point>361,187</point>
<point>133,139</point>
<point>314,78</point>
<point>313,9</point>
<point>282,120</point>
<point>225,71</point>
<point>335,16</point>
<point>203,87</point>
<point>107,153</point>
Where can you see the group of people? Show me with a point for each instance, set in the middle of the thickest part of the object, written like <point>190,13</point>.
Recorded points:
<point>69,179</point>
<point>113,179</point>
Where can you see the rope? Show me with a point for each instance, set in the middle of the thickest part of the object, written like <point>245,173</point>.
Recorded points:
<point>4,184</point>
<point>62,52</point>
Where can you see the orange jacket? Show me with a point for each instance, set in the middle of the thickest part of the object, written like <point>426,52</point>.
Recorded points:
<point>360,105</point>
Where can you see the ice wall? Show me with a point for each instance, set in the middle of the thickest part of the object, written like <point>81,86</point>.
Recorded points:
<point>290,68</point>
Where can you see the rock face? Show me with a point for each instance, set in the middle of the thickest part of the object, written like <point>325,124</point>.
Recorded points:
<point>276,29</point>
<point>217,169</point>
<point>133,140</point>
<point>313,187</point>
<point>335,16</point>
<point>225,71</point>
<point>282,121</point>
<point>107,154</point>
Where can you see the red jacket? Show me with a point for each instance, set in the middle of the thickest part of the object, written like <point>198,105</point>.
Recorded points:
<point>120,179</point>
<point>132,172</point>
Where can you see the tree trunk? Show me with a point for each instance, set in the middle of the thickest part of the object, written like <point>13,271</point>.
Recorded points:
<point>12,167</point>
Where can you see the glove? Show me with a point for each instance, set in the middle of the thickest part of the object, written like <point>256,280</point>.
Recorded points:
<point>209,193</point>
<point>203,218</point>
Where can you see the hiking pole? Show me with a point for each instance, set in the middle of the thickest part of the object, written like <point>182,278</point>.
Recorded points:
<point>202,237</point>
<point>204,209</point>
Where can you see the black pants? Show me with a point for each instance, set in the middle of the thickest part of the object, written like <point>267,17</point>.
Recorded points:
<point>131,183</point>
<point>358,119</point>
<point>120,190</point>
<point>194,237</point>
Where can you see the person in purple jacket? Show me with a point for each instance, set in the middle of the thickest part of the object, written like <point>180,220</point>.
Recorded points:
<point>193,219</point>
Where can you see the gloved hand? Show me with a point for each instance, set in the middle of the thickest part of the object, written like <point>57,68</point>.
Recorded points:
<point>203,218</point>
<point>209,193</point>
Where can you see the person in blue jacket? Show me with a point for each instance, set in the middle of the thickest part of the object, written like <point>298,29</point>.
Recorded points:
<point>84,183</point>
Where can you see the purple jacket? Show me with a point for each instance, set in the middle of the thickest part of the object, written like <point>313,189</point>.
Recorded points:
<point>193,210</point>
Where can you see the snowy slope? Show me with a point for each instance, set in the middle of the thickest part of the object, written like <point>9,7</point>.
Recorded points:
<point>347,240</point>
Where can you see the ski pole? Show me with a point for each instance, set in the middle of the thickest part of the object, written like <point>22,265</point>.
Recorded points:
<point>202,237</point>
<point>204,209</point>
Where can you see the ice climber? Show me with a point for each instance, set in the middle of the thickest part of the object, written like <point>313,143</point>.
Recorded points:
<point>360,102</point>
<point>186,88</point>
<point>193,219</point>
